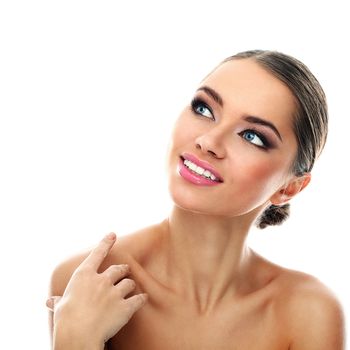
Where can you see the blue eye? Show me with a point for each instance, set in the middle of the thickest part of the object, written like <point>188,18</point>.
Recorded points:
<point>255,138</point>
<point>200,108</point>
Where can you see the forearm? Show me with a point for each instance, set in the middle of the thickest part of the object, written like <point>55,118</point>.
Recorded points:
<point>66,338</point>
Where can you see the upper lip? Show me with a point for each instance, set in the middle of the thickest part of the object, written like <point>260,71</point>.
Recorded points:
<point>203,164</point>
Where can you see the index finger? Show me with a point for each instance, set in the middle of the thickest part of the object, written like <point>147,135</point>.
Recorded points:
<point>98,254</point>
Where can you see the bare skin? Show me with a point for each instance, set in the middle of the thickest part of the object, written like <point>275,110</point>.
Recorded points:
<point>278,309</point>
<point>206,289</point>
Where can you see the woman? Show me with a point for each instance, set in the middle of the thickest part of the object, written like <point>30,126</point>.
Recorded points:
<point>239,152</point>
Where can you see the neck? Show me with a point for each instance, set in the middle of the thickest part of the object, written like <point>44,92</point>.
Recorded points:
<point>206,256</point>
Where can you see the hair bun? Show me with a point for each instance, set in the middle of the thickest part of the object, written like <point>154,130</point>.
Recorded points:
<point>273,215</point>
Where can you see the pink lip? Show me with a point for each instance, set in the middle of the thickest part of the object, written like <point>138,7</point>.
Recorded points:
<point>203,164</point>
<point>194,178</point>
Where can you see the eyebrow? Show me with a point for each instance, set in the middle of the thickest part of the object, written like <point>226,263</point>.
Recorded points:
<point>213,94</point>
<point>251,119</point>
<point>257,120</point>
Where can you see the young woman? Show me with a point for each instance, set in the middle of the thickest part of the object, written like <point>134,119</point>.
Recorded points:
<point>239,152</point>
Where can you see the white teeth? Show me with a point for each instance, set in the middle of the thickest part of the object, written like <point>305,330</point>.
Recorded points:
<point>199,170</point>
<point>192,166</point>
<point>207,173</point>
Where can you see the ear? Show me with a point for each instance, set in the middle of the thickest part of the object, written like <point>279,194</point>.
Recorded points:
<point>293,187</point>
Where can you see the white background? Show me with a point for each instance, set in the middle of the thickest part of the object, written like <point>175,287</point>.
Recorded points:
<point>88,94</point>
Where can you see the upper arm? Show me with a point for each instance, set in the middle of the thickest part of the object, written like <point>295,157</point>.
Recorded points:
<point>60,278</point>
<point>318,321</point>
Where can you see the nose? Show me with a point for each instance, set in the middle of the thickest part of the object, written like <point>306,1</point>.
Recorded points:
<point>212,144</point>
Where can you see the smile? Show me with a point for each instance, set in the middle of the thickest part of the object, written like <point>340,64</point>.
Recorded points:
<point>197,171</point>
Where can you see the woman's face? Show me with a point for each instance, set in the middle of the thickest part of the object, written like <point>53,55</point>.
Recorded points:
<point>239,125</point>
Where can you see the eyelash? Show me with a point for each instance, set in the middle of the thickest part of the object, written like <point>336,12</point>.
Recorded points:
<point>266,144</point>
<point>196,102</point>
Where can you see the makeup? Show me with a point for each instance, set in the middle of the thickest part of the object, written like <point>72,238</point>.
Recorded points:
<point>198,172</point>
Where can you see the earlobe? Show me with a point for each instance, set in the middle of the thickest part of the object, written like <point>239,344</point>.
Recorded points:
<point>292,188</point>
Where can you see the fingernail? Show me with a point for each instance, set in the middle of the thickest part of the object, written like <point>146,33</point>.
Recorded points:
<point>125,267</point>
<point>111,236</point>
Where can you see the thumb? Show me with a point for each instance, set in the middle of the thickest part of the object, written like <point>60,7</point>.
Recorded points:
<point>51,302</point>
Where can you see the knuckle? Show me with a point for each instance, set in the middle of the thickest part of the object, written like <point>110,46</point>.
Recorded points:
<point>105,279</point>
<point>81,271</point>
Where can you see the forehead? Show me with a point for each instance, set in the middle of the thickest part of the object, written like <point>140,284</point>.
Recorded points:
<point>249,89</point>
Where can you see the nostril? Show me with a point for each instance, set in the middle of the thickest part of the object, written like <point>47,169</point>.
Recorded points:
<point>198,146</point>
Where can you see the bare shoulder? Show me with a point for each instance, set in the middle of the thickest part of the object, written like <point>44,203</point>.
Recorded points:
<point>313,313</point>
<point>128,248</point>
<point>63,272</point>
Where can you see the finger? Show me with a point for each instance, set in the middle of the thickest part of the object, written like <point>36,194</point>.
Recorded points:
<point>51,302</point>
<point>116,272</point>
<point>125,286</point>
<point>135,302</point>
<point>98,254</point>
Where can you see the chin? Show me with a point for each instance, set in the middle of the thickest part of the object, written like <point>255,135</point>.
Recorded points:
<point>194,203</point>
<point>197,199</point>
<point>188,200</point>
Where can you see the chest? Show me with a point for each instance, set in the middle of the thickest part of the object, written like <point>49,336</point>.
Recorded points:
<point>235,328</point>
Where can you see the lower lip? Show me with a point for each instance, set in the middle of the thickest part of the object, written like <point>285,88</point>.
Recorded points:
<point>196,179</point>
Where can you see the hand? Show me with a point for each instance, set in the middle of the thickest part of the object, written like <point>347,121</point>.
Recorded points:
<point>93,306</point>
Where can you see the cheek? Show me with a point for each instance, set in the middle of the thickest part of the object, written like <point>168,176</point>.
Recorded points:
<point>261,171</point>
<point>179,136</point>
<point>180,133</point>
<point>184,133</point>
<point>254,180</point>
<point>260,178</point>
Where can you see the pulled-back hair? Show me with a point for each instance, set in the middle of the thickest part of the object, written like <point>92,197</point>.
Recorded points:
<point>310,121</point>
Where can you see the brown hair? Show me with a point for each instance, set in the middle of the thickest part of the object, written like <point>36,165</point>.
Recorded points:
<point>310,122</point>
